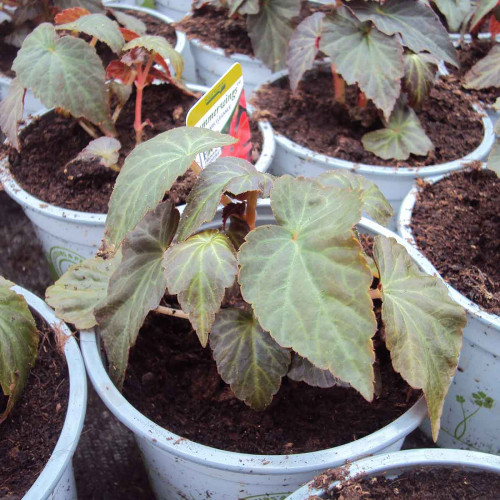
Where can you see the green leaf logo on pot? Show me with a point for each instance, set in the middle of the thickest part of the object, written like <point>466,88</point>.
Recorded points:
<point>479,399</point>
<point>291,299</point>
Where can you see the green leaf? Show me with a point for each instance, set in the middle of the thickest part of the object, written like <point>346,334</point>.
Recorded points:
<point>130,22</point>
<point>159,45</point>
<point>364,56</point>
<point>374,202</point>
<point>247,358</point>
<point>303,48</point>
<point>199,270</point>
<point>136,287</point>
<point>270,31</point>
<point>243,7</point>
<point>423,326</point>
<point>494,158</point>
<point>402,136</point>
<point>100,27</point>
<point>91,5</point>
<point>64,72</point>
<point>76,294</point>
<point>420,74</point>
<point>11,111</point>
<point>229,174</point>
<point>418,25</point>
<point>149,172</point>
<point>486,72</point>
<point>483,7</point>
<point>18,344</point>
<point>105,149</point>
<point>302,370</point>
<point>455,11</point>
<point>308,282</point>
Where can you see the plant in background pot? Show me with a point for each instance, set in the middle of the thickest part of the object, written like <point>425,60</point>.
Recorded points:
<point>298,293</point>
<point>382,64</point>
<point>454,221</point>
<point>33,392</point>
<point>259,30</point>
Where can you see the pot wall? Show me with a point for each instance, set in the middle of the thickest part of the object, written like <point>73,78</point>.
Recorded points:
<point>470,420</point>
<point>179,468</point>
<point>176,9</point>
<point>56,481</point>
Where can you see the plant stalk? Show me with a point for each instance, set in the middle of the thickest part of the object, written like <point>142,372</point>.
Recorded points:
<point>140,83</point>
<point>251,211</point>
<point>169,311</point>
<point>338,86</point>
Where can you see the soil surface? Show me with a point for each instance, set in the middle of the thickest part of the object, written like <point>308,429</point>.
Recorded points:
<point>30,433</point>
<point>55,140</point>
<point>456,224</point>
<point>312,118</point>
<point>421,484</point>
<point>174,381</point>
<point>468,55</point>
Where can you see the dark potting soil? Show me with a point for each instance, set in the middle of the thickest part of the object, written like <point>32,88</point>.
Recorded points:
<point>174,381</point>
<point>456,224</point>
<point>55,140</point>
<point>30,433</point>
<point>425,483</point>
<point>312,118</point>
<point>468,55</point>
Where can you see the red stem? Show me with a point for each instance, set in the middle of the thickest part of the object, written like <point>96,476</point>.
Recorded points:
<point>338,87</point>
<point>140,83</point>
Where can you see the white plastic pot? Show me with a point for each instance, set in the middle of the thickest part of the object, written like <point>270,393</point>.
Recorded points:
<point>70,236</point>
<point>396,463</point>
<point>212,63</point>
<point>394,182</point>
<point>56,481</point>
<point>466,424</point>
<point>176,9</point>
<point>31,104</point>
<point>180,469</point>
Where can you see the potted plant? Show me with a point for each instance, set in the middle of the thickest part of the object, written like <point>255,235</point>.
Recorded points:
<point>67,232</point>
<point>24,473</point>
<point>414,462</point>
<point>287,302</point>
<point>364,110</point>
<point>471,409</point>
<point>252,33</point>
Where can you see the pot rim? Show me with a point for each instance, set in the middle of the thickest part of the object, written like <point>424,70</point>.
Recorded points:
<point>25,199</point>
<point>244,462</point>
<point>407,460</point>
<point>66,445</point>
<point>217,51</point>
<point>404,229</point>
<point>387,171</point>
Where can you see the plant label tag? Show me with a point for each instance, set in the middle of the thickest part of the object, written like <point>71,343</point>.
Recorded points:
<point>223,109</point>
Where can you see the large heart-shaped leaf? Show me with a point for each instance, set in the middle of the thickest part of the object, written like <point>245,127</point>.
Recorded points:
<point>18,344</point>
<point>308,281</point>
<point>247,357</point>
<point>486,72</point>
<point>159,45</point>
<point>149,172</point>
<point>455,11</point>
<point>418,25</point>
<point>270,31</point>
<point>64,72</point>
<point>100,27</point>
<point>76,294</point>
<point>304,47</point>
<point>302,370</point>
<point>423,326</point>
<point>130,22</point>
<point>364,56</point>
<point>494,158</point>
<point>91,5</point>
<point>402,136</point>
<point>11,111</point>
<point>230,174</point>
<point>199,270</point>
<point>374,202</point>
<point>420,74</point>
<point>136,287</point>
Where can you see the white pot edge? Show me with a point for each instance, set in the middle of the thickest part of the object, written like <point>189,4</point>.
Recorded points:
<point>404,229</point>
<point>68,440</point>
<point>408,459</point>
<point>361,168</point>
<point>242,462</point>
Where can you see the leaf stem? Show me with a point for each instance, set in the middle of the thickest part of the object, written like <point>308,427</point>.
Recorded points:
<point>169,311</point>
<point>362,100</point>
<point>251,211</point>
<point>140,83</point>
<point>338,86</point>
<point>88,128</point>
<point>93,42</point>
<point>375,293</point>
